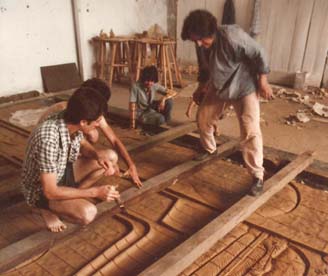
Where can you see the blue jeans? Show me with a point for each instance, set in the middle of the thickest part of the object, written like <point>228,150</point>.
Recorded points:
<point>152,117</point>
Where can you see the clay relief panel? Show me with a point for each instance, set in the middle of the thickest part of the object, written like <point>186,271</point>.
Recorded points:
<point>249,251</point>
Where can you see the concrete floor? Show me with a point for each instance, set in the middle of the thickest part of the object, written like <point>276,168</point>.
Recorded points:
<point>276,133</point>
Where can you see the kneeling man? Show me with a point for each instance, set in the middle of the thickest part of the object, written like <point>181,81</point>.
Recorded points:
<point>54,180</point>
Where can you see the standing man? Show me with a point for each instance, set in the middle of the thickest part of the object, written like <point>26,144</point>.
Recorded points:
<point>143,106</point>
<point>235,68</point>
<point>48,182</point>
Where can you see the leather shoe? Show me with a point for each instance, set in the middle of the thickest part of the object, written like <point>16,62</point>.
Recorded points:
<point>257,187</point>
<point>203,155</point>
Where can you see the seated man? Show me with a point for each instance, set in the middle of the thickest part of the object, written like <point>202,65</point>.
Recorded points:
<point>93,135</point>
<point>48,181</point>
<point>143,106</point>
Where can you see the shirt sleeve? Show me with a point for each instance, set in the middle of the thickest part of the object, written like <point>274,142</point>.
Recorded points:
<point>203,64</point>
<point>47,156</point>
<point>160,89</point>
<point>247,47</point>
<point>134,94</point>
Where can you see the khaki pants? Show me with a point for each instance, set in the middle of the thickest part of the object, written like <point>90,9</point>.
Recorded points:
<point>248,113</point>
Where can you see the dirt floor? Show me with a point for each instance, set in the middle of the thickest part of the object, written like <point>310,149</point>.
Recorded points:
<point>280,128</point>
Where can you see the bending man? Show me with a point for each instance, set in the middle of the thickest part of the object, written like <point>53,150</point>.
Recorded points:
<point>235,67</point>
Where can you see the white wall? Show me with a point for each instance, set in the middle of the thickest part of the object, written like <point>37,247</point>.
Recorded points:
<point>124,17</point>
<point>33,33</point>
<point>37,33</point>
<point>185,49</point>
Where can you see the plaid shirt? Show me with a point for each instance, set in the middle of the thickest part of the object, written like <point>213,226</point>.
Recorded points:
<point>49,149</point>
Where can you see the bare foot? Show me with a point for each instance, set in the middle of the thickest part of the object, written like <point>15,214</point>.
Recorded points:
<point>52,221</point>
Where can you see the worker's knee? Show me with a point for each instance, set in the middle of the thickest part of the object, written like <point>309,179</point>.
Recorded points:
<point>88,213</point>
<point>93,136</point>
<point>111,155</point>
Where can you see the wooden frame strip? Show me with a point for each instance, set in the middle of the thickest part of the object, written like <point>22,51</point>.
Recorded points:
<point>14,128</point>
<point>162,137</point>
<point>42,96</point>
<point>189,251</point>
<point>12,159</point>
<point>34,244</point>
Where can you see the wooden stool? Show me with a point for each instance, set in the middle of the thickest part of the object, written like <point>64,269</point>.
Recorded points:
<point>168,63</point>
<point>119,58</point>
<point>160,53</point>
<point>100,53</point>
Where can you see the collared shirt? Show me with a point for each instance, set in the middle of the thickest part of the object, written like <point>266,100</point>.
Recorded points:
<point>49,149</point>
<point>143,99</point>
<point>233,63</point>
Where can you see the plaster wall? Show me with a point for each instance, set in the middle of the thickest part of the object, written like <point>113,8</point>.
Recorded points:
<point>33,33</point>
<point>124,17</point>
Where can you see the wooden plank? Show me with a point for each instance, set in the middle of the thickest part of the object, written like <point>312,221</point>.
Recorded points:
<point>41,97</point>
<point>268,21</point>
<point>302,25</point>
<point>28,247</point>
<point>14,128</point>
<point>189,251</point>
<point>317,44</point>
<point>12,159</point>
<point>11,255</point>
<point>163,137</point>
<point>283,33</point>
<point>60,77</point>
<point>21,96</point>
<point>325,75</point>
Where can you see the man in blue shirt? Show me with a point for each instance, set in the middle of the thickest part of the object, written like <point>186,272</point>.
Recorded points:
<point>232,71</point>
<point>144,108</point>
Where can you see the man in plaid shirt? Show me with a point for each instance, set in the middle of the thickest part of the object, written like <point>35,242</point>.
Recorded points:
<point>48,181</point>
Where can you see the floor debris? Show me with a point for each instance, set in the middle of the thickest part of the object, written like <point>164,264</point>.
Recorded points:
<point>320,109</point>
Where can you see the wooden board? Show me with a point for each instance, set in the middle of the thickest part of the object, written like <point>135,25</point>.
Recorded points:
<point>163,137</point>
<point>317,44</point>
<point>186,253</point>
<point>304,10</point>
<point>60,77</point>
<point>325,75</point>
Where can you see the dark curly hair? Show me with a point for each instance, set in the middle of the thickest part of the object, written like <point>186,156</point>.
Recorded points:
<point>149,73</point>
<point>199,23</point>
<point>98,85</point>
